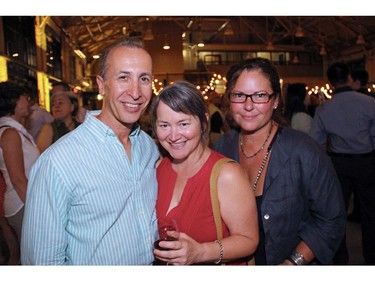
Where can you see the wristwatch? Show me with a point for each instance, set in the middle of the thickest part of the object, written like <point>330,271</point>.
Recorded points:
<point>297,258</point>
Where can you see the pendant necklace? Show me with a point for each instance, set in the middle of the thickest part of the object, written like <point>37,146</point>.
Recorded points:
<point>260,149</point>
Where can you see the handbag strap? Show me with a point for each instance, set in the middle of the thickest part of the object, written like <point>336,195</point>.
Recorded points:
<point>215,200</point>
<point>214,195</point>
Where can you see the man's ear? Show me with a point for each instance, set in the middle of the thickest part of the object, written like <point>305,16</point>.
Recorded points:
<point>100,82</point>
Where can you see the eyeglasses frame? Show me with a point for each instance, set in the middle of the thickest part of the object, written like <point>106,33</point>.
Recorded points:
<point>251,97</point>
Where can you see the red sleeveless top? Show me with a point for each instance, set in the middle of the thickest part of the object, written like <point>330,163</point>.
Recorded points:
<point>194,213</point>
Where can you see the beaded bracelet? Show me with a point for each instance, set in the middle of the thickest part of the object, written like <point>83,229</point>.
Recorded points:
<point>221,251</point>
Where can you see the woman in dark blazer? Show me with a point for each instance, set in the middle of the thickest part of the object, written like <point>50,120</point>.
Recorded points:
<point>300,206</point>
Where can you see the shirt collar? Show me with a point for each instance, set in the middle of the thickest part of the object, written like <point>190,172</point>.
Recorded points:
<point>104,131</point>
<point>342,89</point>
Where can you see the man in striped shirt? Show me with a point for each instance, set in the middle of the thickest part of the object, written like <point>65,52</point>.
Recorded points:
<point>91,195</point>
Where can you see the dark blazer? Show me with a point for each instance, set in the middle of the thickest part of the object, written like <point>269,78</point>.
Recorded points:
<point>302,198</point>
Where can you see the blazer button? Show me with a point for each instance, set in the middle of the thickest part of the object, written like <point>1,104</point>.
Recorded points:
<point>266,216</point>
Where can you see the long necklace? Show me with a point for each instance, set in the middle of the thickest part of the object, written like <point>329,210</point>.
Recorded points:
<point>261,168</point>
<point>260,149</point>
<point>264,161</point>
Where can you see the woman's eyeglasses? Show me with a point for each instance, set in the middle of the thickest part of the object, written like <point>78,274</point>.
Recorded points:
<point>260,97</point>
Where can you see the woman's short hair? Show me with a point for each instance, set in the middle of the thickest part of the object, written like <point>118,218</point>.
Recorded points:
<point>70,97</point>
<point>182,96</point>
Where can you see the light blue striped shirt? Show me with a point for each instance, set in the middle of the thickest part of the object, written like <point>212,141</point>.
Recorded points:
<point>88,204</point>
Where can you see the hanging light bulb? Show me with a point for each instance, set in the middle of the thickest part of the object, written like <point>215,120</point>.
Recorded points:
<point>200,44</point>
<point>166,45</point>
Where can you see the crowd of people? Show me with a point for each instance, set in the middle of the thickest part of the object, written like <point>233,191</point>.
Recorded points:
<point>84,189</point>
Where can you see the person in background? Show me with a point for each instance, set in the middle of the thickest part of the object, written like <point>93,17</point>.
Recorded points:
<point>63,110</point>
<point>60,86</point>
<point>39,116</point>
<point>360,79</point>
<point>180,122</point>
<point>80,114</point>
<point>216,116</point>
<point>91,195</point>
<point>296,102</point>
<point>18,152</point>
<point>301,211</point>
<point>345,127</point>
<point>315,101</point>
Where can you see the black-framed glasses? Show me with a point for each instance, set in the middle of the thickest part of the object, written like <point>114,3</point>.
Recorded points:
<point>259,97</point>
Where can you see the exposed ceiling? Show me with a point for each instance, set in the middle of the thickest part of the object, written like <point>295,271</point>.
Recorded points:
<point>338,34</point>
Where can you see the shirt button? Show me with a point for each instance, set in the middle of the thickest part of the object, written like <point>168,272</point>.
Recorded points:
<point>141,213</point>
<point>266,216</point>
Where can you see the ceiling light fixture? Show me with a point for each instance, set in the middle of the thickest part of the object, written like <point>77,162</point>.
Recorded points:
<point>296,59</point>
<point>148,34</point>
<point>80,54</point>
<point>190,24</point>
<point>323,51</point>
<point>228,30</point>
<point>269,46</point>
<point>166,45</point>
<point>360,40</point>
<point>299,32</point>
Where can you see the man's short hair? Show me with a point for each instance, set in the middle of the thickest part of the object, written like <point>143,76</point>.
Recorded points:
<point>338,74</point>
<point>361,75</point>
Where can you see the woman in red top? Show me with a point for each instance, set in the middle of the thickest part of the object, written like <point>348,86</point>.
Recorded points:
<point>180,123</point>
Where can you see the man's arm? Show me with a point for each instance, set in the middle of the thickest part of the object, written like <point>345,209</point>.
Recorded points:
<point>43,233</point>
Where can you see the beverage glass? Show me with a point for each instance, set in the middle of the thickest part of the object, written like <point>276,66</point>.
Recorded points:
<point>166,230</point>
